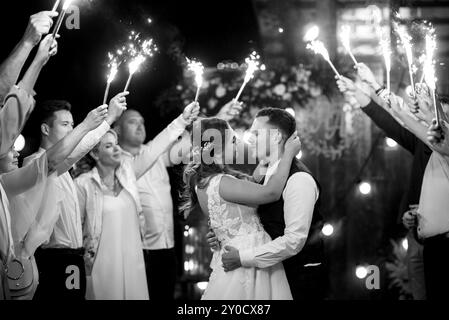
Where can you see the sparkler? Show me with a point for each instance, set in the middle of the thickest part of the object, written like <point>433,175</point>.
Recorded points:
<point>58,25</point>
<point>113,69</point>
<point>139,51</point>
<point>55,7</point>
<point>346,41</point>
<point>429,70</point>
<point>253,65</point>
<point>406,42</point>
<point>318,48</point>
<point>198,70</point>
<point>386,52</point>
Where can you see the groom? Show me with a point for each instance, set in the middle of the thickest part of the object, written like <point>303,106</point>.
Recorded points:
<point>293,222</point>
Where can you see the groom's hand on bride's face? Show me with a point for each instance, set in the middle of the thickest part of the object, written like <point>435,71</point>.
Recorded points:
<point>231,259</point>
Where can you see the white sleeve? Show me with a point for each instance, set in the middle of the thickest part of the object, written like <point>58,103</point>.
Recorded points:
<point>300,196</point>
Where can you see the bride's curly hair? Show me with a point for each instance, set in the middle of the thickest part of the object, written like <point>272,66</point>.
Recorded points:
<point>198,172</point>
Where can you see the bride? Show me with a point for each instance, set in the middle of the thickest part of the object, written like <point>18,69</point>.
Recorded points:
<point>230,200</point>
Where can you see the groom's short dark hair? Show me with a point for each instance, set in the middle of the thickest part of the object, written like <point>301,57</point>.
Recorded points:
<point>279,118</point>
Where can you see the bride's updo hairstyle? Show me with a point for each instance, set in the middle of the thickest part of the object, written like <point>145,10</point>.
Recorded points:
<point>208,135</point>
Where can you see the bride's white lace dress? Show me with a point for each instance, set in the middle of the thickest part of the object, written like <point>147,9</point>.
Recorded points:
<point>239,226</point>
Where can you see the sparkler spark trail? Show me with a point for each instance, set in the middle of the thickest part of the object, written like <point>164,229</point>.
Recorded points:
<point>198,69</point>
<point>386,53</point>
<point>318,48</point>
<point>113,69</point>
<point>406,42</point>
<point>429,70</point>
<point>138,50</point>
<point>345,36</point>
<point>253,64</point>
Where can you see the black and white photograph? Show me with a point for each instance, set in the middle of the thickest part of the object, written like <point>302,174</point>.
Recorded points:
<point>242,151</point>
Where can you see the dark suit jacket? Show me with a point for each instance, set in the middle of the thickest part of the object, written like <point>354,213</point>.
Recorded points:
<point>420,151</point>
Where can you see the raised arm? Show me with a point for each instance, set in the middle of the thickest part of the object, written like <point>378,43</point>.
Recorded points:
<point>159,145</point>
<point>47,48</point>
<point>253,194</point>
<point>13,116</point>
<point>90,140</point>
<point>61,150</point>
<point>39,25</point>
<point>381,117</point>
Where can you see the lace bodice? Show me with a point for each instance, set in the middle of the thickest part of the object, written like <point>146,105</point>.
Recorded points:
<point>229,220</point>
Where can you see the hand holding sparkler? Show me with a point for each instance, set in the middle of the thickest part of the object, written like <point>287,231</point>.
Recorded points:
<point>38,26</point>
<point>318,48</point>
<point>253,65</point>
<point>230,110</point>
<point>367,76</point>
<point>423,109</point>
<point>47,49</point>
<point>191,112</point>
<point>351,90</point>
<point>198,69</point>
<point>346,41</point>
<point>117,106</point>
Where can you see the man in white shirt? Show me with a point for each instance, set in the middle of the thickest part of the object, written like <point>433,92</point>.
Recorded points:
<point>294,222</point>
<point>64,248</point>
<point>157,205</point>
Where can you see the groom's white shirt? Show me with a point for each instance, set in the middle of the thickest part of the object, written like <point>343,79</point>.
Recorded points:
<point>300,196</point>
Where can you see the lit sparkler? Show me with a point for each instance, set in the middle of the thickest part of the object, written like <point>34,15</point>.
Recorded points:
<point>253,64</point>
<point>346,41</point>
<point>58,25</point>
<point>198,69</point>
<point>318,48</point>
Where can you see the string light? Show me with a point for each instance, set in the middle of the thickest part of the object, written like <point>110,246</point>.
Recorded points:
<point>327,230</point>
<point>361,272</point>
<point>365,188</point>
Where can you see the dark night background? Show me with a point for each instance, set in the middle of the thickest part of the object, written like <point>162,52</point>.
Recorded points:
<point>78,72</point>
<point>217,31</point>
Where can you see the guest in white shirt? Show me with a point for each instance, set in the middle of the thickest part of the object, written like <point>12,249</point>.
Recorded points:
<point>62,242</point>
<point>17,104</point>
<point>114,255</point>
<point>433,211</point>
<point>27,189</point>
<point>157,205</point>
<point>155,196</point>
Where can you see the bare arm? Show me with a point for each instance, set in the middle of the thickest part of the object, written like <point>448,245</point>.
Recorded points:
<point>60,151</point>
<point>252,194</point>
<point>159,145</point>
<point>38,26</point>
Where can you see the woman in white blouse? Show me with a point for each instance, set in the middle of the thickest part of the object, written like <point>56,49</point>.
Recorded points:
<point>110,207</point>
